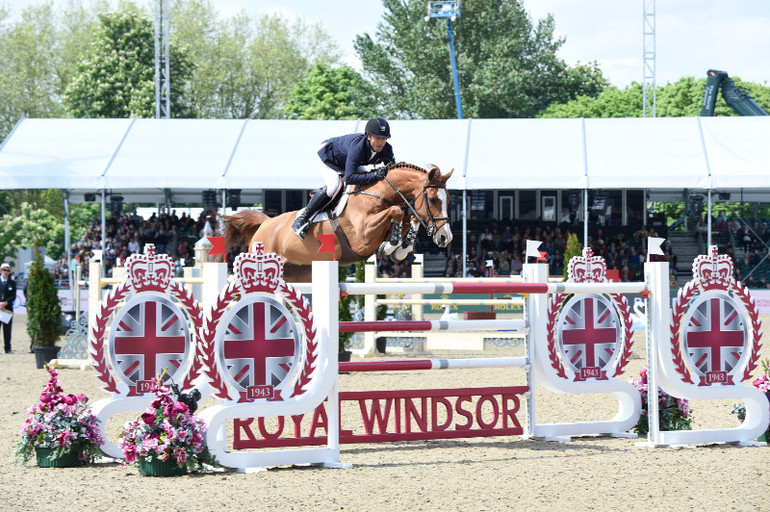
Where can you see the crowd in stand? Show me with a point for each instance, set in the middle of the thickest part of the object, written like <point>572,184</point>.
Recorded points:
<point>127,233</point>
<point>497,250</point>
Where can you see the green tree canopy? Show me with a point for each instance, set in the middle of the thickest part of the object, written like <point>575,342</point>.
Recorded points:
<point>117,78</point>
<point>27,227</point>
<point>245,68</point>
<point>41,51</point>
<point>679,99</point>
<point>507,65</point>
<point>331,93</point>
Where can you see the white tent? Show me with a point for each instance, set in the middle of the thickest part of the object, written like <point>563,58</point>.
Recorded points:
<point>139,158</point>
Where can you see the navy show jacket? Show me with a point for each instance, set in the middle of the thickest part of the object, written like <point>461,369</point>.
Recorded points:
<point>348,152</point>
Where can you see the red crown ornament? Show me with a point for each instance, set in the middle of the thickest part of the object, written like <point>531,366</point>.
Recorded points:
<point>713,270</point>
<point>257,271</point>
<point>150,271</point>
<point>587,268</point>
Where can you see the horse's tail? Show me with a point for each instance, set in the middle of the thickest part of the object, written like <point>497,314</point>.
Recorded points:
<point>239,228</point>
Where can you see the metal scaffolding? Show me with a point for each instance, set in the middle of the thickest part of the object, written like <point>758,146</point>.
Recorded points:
<point>162,75</point>
<point>648,55</point>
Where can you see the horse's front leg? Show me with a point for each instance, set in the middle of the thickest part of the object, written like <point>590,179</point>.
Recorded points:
<point>398,234</point>
<point>376,226</point>
<point>406,246</point>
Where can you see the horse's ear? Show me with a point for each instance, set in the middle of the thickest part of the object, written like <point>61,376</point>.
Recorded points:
<point>434,171</point>
<point>447,175</point>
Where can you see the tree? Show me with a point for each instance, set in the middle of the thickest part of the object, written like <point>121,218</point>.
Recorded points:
<point>572,249</point>
<point>245,68</point>
<point>331,93</point>
<point>682,98</point>
<point>40,54</point>
<point>507,66</point>
<point>117,78</point>
<point>30,226</point>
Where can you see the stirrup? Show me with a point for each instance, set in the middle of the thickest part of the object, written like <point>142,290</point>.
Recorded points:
<point>301,231</point>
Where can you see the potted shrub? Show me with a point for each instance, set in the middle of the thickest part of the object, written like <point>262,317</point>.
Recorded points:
<point>43,311</point>
<point>61,429</point>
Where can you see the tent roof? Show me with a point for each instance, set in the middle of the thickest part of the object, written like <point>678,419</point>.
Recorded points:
<point>139,158</point>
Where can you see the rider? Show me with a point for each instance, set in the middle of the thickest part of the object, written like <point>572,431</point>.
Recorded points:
<point>346,156</point>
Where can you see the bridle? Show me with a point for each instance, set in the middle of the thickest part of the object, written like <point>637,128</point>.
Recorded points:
<point>431,227</point>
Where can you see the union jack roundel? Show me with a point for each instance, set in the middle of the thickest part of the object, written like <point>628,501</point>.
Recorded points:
<point>148,334</point>
<point>715,337</point>
<point>258,348</point>
<point>589,334</point>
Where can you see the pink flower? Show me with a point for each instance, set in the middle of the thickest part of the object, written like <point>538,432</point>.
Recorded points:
<point>148,418</point>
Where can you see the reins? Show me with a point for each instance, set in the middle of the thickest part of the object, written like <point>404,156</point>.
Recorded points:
<point>430,227</point>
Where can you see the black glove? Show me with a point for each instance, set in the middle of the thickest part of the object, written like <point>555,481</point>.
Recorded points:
<point>381,173</point>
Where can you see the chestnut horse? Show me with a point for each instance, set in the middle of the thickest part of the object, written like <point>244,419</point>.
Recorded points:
<point>370,214</point>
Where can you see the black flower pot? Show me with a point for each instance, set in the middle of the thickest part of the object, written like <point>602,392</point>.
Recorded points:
<point>44,355</point>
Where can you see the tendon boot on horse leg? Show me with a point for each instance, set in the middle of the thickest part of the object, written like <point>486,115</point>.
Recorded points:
<point>306,215</point>
<point>407,244</point>
<point>388,246</point>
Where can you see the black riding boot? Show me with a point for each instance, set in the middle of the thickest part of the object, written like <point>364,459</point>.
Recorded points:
<point>305,216</point>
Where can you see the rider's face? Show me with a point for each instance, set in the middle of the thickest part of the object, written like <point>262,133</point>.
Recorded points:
<point>377,143</point>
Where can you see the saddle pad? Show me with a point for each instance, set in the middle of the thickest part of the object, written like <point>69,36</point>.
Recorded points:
<point>324,215</point>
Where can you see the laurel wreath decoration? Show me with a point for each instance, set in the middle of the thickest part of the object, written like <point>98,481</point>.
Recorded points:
<point>685,295</point>
<point>190,305</point>
<point>301,308</point>
<point>207,340</point>
<point>554,305</point>
<point>750,304</point>
<point>680,307</point>
<point>626,343</point>
<point>98,361</point>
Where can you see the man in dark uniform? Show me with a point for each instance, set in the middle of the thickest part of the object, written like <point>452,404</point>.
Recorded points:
<point>7,296</point>
<point>346,156</point>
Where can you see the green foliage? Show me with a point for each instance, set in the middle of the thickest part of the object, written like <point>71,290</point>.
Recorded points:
<point>117,77</point>
<point>27,227</point>
<point>507,65</point>
<point>41,50</point>
<point>573,248</point>
<point>49,199</point>
<point>43,309</point>
<point>680,99</point>
<point>331,93</point>
<point>245,68</point>
<point>82,217</point>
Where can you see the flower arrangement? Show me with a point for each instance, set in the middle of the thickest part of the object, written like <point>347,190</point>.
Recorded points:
<point>166,431</point>
<point>762,383</point>
<point>62,423</point>
<point>673,413</point>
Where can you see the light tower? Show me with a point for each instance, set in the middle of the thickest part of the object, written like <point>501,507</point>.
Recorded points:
<point>648,54</point>
<point>162,75</point>
<point>450,11</point>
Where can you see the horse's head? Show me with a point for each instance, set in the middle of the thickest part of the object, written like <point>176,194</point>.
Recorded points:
<point>435,206</point>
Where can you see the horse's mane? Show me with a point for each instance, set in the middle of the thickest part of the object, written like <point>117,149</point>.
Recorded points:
<point>404,165</point>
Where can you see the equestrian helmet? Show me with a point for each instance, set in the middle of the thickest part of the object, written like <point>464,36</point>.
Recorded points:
<point>378,127</point>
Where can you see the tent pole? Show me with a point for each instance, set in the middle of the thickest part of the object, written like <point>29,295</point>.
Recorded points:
<point>104,231</point>
<point>708,244</point>
<point>585,217</point>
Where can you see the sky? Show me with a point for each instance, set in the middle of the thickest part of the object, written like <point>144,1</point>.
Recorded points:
<point>692,36</point>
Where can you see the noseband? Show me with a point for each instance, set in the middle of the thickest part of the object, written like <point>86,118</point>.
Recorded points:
<point>431,227</point>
